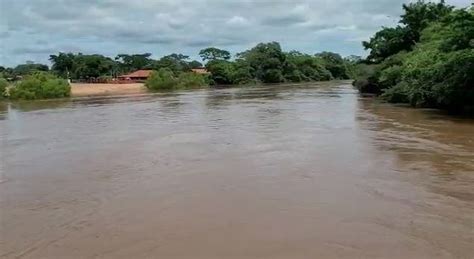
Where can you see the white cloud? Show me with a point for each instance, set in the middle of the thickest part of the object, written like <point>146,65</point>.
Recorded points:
<point>238,21</point>
<point>165,26</point>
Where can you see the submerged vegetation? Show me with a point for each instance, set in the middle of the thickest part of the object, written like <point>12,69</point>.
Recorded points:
<point>426,61</point>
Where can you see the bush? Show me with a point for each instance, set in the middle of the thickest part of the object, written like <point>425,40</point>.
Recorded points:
<point>367,78</point>
<point>40,86</point>
<point>162,79</point>
<point>397,94</point>
<point>3,87</point>
<point>189,80</point>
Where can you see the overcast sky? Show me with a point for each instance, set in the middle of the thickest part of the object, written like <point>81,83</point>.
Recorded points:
<point>34,29</point>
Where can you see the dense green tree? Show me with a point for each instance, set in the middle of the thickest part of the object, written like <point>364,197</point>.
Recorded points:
<point>29,68</point>
<point>63,64</point>
<point>302,67</point>
<point>335,64</point>
<point>242,72</point>
<point>210,54</point>
<point>419,15</point>
<point>387,42</point>
<point>437,71</point>
<point>128,63</point>
<point>195,64</point>
<point>267,61</point>
<point>222,71</point>
<point>175,62</point>
<point>93,66</point>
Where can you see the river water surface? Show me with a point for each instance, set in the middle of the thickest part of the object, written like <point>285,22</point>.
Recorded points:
<point>311,171</point>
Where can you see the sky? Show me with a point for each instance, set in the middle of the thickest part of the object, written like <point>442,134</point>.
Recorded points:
<point>31,30</point>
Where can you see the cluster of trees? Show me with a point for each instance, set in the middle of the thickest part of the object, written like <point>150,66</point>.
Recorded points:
<point>166,79</point>
<point>426,61</point>
<point>267,63</point>
<point>39,85</point>
<point>80,66</point>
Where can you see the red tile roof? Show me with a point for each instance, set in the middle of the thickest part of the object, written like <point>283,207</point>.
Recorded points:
<point>138,74</point>
<point>200,71</point>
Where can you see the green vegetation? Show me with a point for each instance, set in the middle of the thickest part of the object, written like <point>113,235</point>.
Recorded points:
<point>267,63</point>
<point>40,85</point>
<point>165,79</point>
<point>426,61</point>
<point>3,87</point>
<point>264,63</point>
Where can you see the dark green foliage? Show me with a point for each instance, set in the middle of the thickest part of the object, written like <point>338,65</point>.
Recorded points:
<point>195,64</point>
<point>29,68</point>
<point>222,72</point>
<point>63,64</point>
<point>242,72</point>
<point>175,62</point>
<point>367,78</point>
<point>212,54</point>
<point>129,63</point>
<point>302,68</point>
<point>387,42</point>
<point>267,61</point>
<point>163,79</point>
<point>40,86</point>
<point>335,64</point>
<point>417,17</point>
<point>420,14</point>
<point>69,65</point>
<point>438,71</point>
<point>92,66</point>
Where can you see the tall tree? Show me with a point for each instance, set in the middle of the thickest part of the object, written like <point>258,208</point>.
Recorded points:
<point>267,61</point>
<point>128,63</point>
<point>209,54</point>
<point>175,62</point>
<point>63,63</point>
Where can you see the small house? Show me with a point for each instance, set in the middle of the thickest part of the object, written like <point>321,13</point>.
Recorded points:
<point>201,71</point>
<point>137,76</point>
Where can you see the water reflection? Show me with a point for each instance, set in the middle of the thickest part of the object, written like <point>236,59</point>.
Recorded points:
<point>3,110</point>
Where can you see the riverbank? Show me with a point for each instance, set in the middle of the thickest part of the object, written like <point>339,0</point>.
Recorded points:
<point>91,90</point>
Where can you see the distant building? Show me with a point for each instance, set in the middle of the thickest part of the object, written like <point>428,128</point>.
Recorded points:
<point>201,71</point>
<point>139,75</point>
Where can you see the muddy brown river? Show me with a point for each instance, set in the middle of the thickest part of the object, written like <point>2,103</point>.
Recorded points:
<point>313,171</point>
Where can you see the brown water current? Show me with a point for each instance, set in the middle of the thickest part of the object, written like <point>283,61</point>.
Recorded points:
<point>312,171</point>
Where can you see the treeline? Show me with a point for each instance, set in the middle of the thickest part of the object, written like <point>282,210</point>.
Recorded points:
<point>426,61</point>
<point>265,63</point>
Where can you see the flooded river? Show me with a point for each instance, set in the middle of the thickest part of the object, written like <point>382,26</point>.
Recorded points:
<point>310,171</point>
